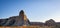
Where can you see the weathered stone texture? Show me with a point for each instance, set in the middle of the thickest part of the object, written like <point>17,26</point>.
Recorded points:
<point>15,20</point>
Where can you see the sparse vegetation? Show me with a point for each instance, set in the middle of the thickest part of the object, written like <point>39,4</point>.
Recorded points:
<point>29,27</point>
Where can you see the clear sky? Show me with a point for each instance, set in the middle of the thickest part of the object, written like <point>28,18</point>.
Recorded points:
<point>35,10</point>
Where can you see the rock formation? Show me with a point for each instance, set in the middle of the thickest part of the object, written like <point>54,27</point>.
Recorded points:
<point>50,22</point>
<point>20,20</point>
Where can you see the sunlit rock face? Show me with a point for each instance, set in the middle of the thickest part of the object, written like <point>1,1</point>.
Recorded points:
<point>20,20</point>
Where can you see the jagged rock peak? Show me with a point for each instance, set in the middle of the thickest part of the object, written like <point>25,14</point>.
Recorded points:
<point>21,12</point>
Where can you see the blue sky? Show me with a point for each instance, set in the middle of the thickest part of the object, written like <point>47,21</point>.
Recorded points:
<point>35,10</point>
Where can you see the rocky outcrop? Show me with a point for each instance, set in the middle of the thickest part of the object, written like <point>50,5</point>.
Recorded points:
<point>3,21</point>
<point>50,22</point>
<point>22,20</point>
<point>15,20</point>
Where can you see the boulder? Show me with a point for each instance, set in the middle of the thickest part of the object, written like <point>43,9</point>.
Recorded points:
<point>50,22</point>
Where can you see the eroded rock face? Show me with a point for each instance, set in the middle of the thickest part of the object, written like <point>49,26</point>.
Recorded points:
<point>50,22</point>
<point>3,21</point>
<point>22,20</point>
<point>15,20</point>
